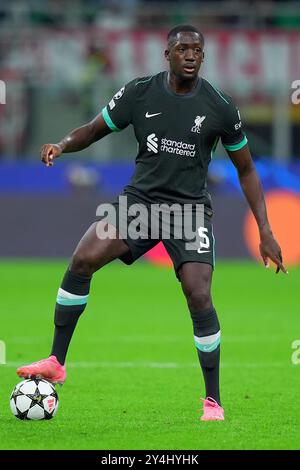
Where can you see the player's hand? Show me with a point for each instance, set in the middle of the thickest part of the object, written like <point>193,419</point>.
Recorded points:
<point>49,152</point>
<point>269,249</point>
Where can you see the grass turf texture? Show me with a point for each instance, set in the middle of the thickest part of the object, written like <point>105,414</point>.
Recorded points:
<point>137,382</point>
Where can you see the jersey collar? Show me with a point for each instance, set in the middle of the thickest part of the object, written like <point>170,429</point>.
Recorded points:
<point>191,94</point>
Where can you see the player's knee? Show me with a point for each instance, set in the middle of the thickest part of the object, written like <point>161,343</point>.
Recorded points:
<point>199,300</point>
<point>82,264</point>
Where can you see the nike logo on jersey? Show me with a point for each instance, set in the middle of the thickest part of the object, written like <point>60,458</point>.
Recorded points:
<point>151,115</point>
<point>203,251</point>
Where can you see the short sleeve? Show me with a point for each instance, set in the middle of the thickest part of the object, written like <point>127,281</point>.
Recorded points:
<point>232,135</point>
<point>118,113</point>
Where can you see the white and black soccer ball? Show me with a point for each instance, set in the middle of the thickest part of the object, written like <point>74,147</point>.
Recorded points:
<point>34,399</point>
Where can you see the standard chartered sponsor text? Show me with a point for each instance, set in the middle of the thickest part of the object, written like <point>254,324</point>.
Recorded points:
<point>177,147</point>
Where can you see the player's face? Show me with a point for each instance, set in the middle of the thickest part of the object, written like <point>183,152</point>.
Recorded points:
<point>185,55</point>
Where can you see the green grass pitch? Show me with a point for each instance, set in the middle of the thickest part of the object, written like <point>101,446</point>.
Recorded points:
<point>133,376</point>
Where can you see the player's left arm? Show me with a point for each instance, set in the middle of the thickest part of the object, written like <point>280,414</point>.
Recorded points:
<point>252,188</point>
<point>235,142</point>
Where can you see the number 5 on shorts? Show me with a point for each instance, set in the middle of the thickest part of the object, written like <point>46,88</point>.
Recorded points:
<point>205,243</point>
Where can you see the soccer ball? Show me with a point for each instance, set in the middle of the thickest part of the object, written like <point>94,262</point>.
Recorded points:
<point>34,399</point>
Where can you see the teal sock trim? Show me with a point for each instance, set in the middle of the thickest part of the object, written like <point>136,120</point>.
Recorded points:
<point>208,347</point>
<point>62,301</point>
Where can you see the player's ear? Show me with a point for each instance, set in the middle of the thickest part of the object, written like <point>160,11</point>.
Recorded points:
<point>202,56</point>
<point>167,52</point>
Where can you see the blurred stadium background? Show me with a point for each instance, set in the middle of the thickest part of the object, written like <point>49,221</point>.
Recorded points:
<point>61,62</point>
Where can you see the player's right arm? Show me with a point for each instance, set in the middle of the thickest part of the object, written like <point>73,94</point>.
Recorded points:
<point>76,140</point>
<point>114,117</point>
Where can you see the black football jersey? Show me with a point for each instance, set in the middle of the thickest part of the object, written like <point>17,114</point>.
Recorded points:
<point>176,134</point>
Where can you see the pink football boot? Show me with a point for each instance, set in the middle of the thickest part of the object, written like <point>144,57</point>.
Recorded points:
<point>48,369</point>
<point>211,410</point>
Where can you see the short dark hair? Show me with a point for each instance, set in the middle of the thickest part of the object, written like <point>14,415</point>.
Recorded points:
<point>172,34</point>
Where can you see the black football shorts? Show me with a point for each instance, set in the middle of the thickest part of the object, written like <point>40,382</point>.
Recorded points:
<point>185,231</point>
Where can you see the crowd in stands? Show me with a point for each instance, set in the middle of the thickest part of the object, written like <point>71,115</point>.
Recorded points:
<point>151,13</point>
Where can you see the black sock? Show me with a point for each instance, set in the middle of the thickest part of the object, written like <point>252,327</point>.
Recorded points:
<point>207,341</point>
<point>70,303</point>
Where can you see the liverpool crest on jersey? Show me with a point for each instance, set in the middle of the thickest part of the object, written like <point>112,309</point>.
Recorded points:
<point>198,124</point>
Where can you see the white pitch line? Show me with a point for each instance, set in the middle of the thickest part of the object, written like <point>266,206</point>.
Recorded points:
<point>159,365</point>
<point>151,339</point>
